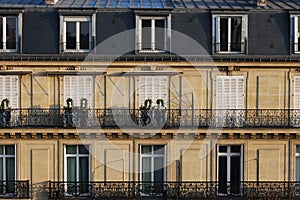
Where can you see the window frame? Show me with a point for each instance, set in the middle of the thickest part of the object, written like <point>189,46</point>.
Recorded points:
<point>152,156</point>
<point>228,156</point>
<point>294,18</point>
<point>77,156</point>
<point>77,19</point>
<point>4,157</point>
<point>297,154</point>
<point>18,32</point>
<point>216,33</point>
<point>167,33</point>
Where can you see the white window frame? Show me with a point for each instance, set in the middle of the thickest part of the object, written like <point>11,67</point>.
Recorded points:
<point>216,33</point>
<point>294,34</point>
<point>78,96</point>
<point>228,155</point>
<point>152,156</point>
<point>77,156</point>
<point>18,32</point>
<point>77,19</point>
<point>167,33</point>
<point>4,157</point>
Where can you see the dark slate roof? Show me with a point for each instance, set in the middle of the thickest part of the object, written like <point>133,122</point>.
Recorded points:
<point>157,4</point>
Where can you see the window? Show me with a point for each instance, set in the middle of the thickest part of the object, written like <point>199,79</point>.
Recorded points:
<point>152,87</point>
<point>9,89</point>
<point>295,33</point>
<point>77,34</point>
<point>7,169</point>
<point>230,33</point>
<point>153,33</point>
<point>9,33</point>
<point>152,167</point>
<point>296,101</point>
<point>230,100</point>
<point>230,169</point>
<point>77,87</point>
<point>77,169</point>
<point>297,167</point>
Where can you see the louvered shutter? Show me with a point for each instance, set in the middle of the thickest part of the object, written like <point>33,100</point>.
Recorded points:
<point>230,92</point>
<point>77,87</point>
<point>297,92</point>
<point>9,90</point>
<point>152,87</point>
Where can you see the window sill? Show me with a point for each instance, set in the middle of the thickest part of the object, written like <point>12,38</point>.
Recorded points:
<point>150,51</point>
<point>77,51</point>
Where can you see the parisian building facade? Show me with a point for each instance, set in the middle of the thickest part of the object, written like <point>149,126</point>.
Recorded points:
<point>149,99</point>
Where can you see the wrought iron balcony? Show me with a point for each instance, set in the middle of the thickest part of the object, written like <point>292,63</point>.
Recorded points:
<point>174,190</point>
<point>134,118</point>
<point>14,189</point>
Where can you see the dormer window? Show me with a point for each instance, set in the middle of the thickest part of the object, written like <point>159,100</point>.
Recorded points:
<point>153,34</point>
<point>295,33</point>
<point>77,34</point>
<point>229,33</point>
<point>9,33</point>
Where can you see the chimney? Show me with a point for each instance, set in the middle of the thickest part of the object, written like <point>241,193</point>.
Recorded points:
<point>261,2</point>
<point>50,2</point>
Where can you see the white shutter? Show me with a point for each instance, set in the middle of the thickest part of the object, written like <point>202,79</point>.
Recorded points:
<point>230,92</point>
<point>77,87</point>
<point>297,92</point>
<point>152,87</point>
<point>9,89</point>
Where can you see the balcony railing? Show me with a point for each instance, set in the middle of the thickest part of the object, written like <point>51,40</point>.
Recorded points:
<point>14,189</point>
<point>173,190</point>
<point>134,118</point>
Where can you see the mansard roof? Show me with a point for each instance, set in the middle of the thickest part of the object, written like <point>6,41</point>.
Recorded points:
<point>156,4</point>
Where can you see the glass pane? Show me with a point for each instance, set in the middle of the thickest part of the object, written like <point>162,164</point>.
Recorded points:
<point>71,169</point>
<point>236,149</point>
<point>1,169</point>
<point>159,34</point>
<point>84,35</point>
<point>298,149</point>
<point>146,34</point>
<point>1,150</point>
<point>297,168</point>
<point>235,173</point>
<point>83,149</point>
<point>236,33</point>
<point>298,31</point>
<point>71,35</point>
<point>158,174</point>
<point>223,34</point>
<point>11,33</point>
<point>223,149</point>
<point>159,149</point>
<point>71,149</point>
<point>1,32</point>
<point>84,174</point>
<point>146,149</point>
<point>146,174</point>
<point>10,174</point>
<point>222,174</point>
<point>10,150</point>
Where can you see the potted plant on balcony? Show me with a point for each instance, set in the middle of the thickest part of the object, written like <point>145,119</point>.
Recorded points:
<point>159,113</point>
<point>68,112</point>
<point>144,109</point>
<point>82,112</point>
<point>5,112</point>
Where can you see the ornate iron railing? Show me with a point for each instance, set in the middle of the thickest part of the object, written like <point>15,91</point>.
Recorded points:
<point>134,118</point>
<point>14,189</point>
<point>174,190</point>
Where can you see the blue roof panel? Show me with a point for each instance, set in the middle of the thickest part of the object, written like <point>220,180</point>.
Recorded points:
<point>157,4</point>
